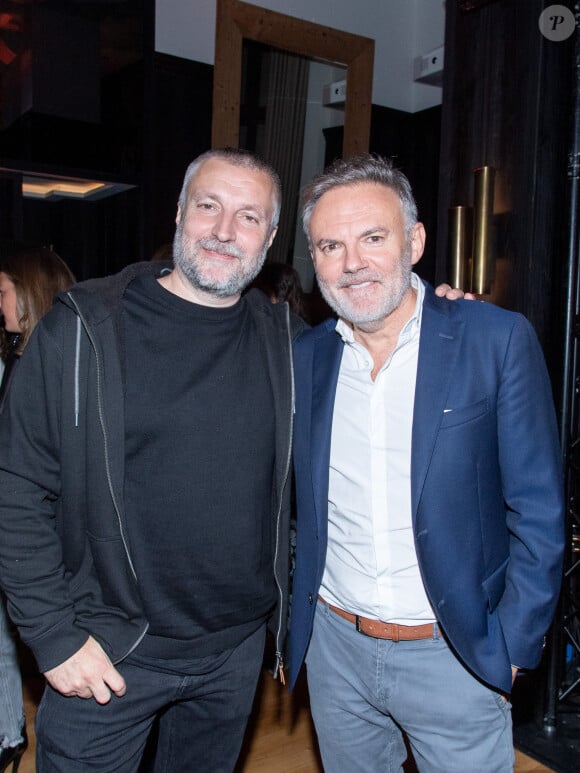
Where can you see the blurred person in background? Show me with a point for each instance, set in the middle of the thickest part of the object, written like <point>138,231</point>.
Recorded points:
<point>29,280</point>
<point>281,282</point>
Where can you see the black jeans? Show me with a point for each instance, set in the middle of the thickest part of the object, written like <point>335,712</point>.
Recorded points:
<point>202,718</point>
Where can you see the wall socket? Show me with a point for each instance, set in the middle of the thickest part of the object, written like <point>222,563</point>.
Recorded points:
<point>429,67</point>
<point>334,94</point>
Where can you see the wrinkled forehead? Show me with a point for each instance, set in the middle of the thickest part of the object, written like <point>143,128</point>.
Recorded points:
<point>350,203</point>
<point>221,178</point>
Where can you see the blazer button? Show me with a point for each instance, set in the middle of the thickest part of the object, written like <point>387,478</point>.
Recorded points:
<point>310,598</point>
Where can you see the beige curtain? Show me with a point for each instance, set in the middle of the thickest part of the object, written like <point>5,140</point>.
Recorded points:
<point>281,145</point>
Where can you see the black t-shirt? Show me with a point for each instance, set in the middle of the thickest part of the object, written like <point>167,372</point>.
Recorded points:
<point>199,461</point>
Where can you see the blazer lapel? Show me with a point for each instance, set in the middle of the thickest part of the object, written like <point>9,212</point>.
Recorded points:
<point>439,347</point>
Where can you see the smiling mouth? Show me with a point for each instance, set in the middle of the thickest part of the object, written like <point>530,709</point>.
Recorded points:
<point>359,285</point>
<point>225,256</point>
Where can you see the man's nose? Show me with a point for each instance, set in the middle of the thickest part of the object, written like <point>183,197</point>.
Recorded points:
<point>354,260</point>
<point>224,227</point>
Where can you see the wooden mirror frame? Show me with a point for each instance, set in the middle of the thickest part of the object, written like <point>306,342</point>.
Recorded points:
<point>237,20</point>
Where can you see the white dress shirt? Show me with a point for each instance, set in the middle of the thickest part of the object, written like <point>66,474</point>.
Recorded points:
<point>371,564</point>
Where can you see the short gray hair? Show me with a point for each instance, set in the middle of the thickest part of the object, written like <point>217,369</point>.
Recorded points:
<point>365,168</point>
<point>236,157</point>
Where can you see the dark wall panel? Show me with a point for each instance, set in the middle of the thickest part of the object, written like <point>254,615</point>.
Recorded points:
<point>506,103</point>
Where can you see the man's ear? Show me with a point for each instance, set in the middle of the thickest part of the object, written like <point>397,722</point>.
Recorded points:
<point>178,215</point>
<point>273,233</point>
<point>418,237</point>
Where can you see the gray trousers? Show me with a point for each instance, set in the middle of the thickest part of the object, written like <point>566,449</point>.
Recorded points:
<point>365,692</point>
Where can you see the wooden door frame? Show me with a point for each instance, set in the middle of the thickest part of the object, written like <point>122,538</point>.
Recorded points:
<point>237,20</point>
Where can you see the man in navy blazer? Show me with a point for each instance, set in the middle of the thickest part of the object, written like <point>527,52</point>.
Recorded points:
<point>430,524</point>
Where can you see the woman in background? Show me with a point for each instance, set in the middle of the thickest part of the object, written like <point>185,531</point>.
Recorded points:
<point>29,280</point>
<point>281,282</point>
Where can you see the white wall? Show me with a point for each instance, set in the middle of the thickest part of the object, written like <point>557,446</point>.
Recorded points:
<point>402,30</point>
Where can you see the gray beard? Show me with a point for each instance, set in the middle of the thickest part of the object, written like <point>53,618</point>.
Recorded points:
<point>371,319</point>
<point>186,256</point>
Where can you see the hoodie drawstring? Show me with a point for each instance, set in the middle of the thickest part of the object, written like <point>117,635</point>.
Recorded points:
<point>77,370</point>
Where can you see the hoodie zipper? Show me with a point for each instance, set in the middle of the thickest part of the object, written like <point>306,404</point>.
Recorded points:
<point>106,448</point>
<point>103,429</point>
<point>279,661</point>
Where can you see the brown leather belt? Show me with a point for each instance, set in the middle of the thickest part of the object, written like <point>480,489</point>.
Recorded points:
<point>379,630</point>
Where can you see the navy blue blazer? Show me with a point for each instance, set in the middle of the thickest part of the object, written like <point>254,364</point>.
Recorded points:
<point>486,483</point>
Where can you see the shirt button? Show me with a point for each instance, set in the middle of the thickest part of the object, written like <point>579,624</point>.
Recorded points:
<point>310,598</point>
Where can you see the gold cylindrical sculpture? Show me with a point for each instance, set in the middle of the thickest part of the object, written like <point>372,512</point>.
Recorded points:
<point>460,242</point>
<point>482,228</point>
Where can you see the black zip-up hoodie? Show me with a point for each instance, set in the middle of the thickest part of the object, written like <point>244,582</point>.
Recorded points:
<point>64,558</point>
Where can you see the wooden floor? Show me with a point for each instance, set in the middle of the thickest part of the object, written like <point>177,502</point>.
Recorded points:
<point>280,737</point>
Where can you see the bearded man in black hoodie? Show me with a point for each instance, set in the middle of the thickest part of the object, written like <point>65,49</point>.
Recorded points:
<point>144,478</point>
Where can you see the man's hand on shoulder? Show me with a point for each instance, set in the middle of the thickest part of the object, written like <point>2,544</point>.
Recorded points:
<point>87,674</point>
<point>453,293</point>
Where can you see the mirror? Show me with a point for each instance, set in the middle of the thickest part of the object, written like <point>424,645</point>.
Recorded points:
<point>237,20</point>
